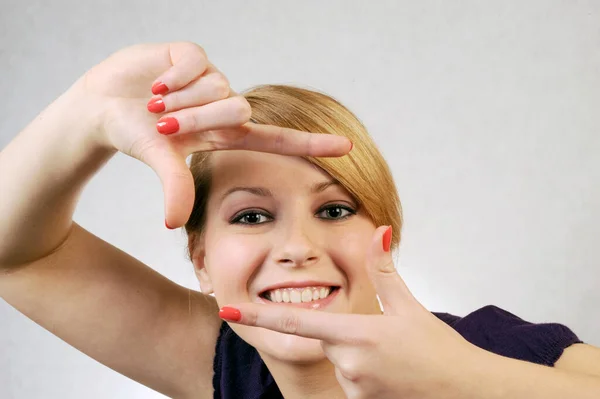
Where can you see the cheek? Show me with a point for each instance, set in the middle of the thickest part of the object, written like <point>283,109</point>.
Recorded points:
<point>232,259</point>
<point>351,249</point>
<point>350,255</point>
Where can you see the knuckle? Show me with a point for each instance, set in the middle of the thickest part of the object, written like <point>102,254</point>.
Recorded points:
<point>289,324</point>
<point>196,49</point>
<point>350,369</point>
<point>310,144</point>
<point>191,123</point>
<point>172,100</point>
<point>279,139</point>
<point>195,54</point>
<point>221,86</point>
<point>242,112</point>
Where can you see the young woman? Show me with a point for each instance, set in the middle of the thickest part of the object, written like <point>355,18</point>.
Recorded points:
<point>291,231</point>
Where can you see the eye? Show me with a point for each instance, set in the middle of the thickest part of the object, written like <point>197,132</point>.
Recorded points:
<point>335,212</point>
<point>251,217</point>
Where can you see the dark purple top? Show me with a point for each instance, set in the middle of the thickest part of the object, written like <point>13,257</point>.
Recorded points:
<point>241,373</point>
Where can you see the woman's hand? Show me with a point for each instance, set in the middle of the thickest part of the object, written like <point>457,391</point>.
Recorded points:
<point>198,112</point>
<point>405,353</point>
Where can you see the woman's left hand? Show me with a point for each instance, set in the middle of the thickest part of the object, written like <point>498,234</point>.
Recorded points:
<point>406,352</point>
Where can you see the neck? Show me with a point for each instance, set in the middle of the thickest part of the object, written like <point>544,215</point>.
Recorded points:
<point>311,380</point>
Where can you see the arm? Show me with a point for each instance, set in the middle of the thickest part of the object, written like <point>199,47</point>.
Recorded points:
<point>500,377</point>
<point>109,306</point>
<point>580,358</point>
<point>92,295</point>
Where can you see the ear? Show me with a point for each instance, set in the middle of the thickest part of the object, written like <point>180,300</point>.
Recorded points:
<point>198,257</point>
<point>204,279</point>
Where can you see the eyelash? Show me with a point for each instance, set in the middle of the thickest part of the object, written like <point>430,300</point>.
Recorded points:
<point>237,219</point>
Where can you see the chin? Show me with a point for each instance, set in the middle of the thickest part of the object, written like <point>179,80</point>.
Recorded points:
<point>282,347</point>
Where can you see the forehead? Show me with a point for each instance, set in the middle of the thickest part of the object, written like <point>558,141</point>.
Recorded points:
<point>256,168</point>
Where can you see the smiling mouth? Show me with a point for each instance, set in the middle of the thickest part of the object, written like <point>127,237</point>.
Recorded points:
<point>299,295</point>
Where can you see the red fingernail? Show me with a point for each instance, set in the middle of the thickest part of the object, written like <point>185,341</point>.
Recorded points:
<point>387,239</point>
<point>167,125</point>
<point>167,225</point>
<point>156,105</point>
<point>351,146</point>
<point>159,88</point>
<point>231,314</point>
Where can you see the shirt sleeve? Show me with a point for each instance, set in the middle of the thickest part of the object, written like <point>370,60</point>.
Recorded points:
<point>503,333</point>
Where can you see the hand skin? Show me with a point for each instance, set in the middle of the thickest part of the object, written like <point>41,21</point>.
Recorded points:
<point>105,111</point>
<point>46,271</point>
<point>408,352</point>
<point>498,377</point>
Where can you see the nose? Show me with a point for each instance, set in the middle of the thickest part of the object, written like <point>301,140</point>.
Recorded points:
<point>297,246</point>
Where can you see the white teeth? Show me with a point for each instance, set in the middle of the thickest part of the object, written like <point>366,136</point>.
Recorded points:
<point>307,295</point>
<point>295,296</point>
<point>323,292</point>
<point>298,295</point>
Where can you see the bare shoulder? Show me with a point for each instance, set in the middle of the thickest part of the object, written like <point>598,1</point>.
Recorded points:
<point>122,313</point>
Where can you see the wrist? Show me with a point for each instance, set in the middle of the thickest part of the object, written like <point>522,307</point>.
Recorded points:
<point>83,115</point>
<point>499,377</point>
<point>480,376</point>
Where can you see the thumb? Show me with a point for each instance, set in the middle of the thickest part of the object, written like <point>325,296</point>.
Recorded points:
<point>391,289</point>
<point>177,183</point>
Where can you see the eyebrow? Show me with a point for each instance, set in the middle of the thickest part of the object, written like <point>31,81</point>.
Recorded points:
<point>265,192</point>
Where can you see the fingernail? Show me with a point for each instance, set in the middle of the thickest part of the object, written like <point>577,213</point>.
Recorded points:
<point>167,225</point>
<point>229,313</point>
<point>387,239</point>
<point>156,105</point>
<point>167,125</point>
<point>159,88</point>
<point>351,146</point>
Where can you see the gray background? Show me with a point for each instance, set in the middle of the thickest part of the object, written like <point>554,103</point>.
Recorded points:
<point>485,110</point>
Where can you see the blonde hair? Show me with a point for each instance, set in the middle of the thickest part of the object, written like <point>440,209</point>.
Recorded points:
<point>363,172</point>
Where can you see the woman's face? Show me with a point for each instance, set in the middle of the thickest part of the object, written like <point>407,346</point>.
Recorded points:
<point>278,221</point>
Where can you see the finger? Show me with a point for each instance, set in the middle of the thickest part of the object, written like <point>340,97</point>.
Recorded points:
<point>285,141</point>
<point>188,62</point>
<point>348,382</point>
<point>177,183</point>
<point>208,88</point>
<point>391,289</point>
<point>329,327</point>
<point>222,114</point>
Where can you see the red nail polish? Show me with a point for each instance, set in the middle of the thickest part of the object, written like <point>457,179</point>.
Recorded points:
<point>387,239</point>
<point>167,125</point>
<point>167,225</point>
<point>156,105</point>
<point>159,88</point>
<point>229,313</point>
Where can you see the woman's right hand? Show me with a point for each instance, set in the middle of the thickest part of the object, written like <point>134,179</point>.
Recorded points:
<point>193,107</point>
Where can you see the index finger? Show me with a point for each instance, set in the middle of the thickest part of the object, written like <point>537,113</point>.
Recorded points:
<point>285,141</point>
<point>188,61</point>
<point>330,327</point>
